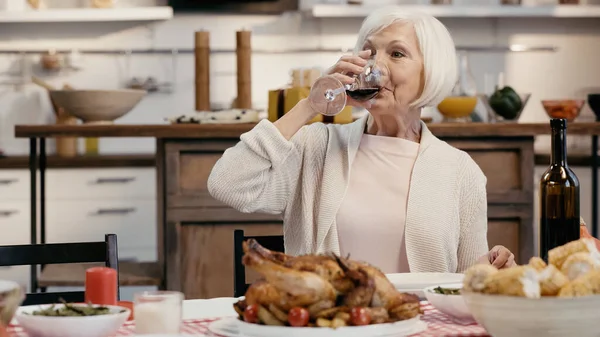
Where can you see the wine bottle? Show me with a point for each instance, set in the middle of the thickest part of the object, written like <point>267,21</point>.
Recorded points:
<point>559,195</point>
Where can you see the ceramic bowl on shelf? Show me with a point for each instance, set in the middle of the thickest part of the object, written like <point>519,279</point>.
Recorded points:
<point>457,108</point>
<point>568,109</point>
<point>498,114</point>
<point>97,106</point>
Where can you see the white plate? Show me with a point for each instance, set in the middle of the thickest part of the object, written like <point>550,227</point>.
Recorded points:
<point>209,308</point>
<point>414,283</point>
<point>233,327</point>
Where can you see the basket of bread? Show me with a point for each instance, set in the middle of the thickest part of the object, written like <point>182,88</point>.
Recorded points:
<point>558,298</point>
<point>321,295</point>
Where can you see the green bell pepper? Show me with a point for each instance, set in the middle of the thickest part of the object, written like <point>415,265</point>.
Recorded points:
<point>506,102</point>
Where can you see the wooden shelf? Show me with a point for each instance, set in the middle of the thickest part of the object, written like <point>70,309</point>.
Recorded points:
<point>459,11</point>
<point>82,161</point>
<point>157,13</point>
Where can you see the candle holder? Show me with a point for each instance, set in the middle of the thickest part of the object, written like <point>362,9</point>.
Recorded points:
<point>158,312</point>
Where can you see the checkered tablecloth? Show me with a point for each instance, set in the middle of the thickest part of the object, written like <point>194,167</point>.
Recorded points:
<point>439,325</point>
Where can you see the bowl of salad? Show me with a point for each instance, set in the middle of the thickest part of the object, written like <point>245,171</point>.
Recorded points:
<point>71,319</point>
<point>447,298</point>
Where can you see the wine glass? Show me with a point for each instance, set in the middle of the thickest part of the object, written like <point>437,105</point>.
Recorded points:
<point>328,95</point>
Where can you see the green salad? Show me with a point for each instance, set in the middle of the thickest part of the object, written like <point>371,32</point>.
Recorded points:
<point>446,291</point>
<point>70,310</point>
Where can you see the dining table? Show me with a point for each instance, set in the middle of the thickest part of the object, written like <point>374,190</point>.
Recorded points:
<point>198,314</point>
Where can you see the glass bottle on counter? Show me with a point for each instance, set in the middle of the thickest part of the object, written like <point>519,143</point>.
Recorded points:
<point>91,146</point>
<point>559,195</point>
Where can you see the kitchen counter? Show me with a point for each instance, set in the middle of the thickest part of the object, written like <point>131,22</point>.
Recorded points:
<point>83,161</point>
<point>204,131</point>
<point>195,231</point>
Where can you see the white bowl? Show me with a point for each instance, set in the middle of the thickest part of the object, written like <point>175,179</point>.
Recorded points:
<point>88,326</point>
<point>508,316</point>
<point>413,283</point>
<point>11,296</point>
<point>453,305</point>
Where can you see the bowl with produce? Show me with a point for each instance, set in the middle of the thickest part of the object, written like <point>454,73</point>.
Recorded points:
<point>568,109</point>
<point>71,320</point>
<point>558,298</point>
<point>447,298</point>
<point>320,295</point>
<point>505,104</point>
<point>457,108</point>
<point>11,297</point>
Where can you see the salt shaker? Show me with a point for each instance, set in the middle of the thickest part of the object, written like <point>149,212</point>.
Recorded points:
<point>101,286</point>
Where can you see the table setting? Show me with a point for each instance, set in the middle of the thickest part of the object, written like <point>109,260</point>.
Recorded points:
<point>537,299</point>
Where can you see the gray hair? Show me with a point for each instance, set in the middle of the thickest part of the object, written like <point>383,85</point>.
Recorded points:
<point>435,43</point>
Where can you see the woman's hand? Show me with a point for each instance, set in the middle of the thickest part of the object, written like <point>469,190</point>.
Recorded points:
<point>345,69</point>
<point>499,257</point>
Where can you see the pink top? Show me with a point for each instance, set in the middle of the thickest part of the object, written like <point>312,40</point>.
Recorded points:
<point>372,216</point>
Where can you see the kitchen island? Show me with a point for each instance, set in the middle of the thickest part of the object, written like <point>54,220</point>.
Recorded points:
<point>195,231</point>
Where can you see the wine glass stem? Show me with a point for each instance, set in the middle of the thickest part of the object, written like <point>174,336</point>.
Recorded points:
<point>331,94</point>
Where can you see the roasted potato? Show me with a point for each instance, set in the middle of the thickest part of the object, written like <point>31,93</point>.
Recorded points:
<point>267,318</point>
<point>278,313</point>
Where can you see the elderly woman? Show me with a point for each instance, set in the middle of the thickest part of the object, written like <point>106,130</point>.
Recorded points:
<point>383,189</point>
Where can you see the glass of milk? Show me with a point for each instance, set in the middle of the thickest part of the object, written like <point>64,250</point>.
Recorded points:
<point>157,312</point>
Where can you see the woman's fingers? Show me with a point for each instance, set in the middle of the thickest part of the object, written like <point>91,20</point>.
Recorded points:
<point>502,258</point>
<point>346,67</point>
<point>345,79</point>
<point>364,54</point>
<point>351,64</point>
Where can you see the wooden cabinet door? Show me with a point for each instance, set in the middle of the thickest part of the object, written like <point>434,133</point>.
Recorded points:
<point>205,259</point>
<point>511,226</point>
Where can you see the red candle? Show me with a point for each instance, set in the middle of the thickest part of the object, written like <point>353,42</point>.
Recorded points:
<point>101,286</point>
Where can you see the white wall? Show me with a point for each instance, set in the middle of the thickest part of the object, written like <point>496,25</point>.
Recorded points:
<point>570,72</point>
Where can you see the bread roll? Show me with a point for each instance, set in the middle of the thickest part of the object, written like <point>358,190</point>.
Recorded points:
<point>522,281</point>
<point>557,256</point>
<point>475,277</point>
<point>585,285</point>
<point>551,280</point>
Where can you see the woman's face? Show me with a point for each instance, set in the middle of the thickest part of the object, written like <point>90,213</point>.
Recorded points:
<point>396,51</point>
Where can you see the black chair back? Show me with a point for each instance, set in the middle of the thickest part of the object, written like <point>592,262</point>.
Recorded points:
<point>57,253</point>
<point>274,242</point>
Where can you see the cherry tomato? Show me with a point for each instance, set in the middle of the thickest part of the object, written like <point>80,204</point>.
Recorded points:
<point>298,316</point>
<point>360,316</point>
<point>251,314</point>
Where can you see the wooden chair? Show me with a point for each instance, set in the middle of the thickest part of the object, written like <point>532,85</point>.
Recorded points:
<point>59,253</point>
<point>274,242</point>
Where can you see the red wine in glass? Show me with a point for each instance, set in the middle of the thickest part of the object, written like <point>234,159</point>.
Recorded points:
<point>328,95</point>
<point>363,94</point>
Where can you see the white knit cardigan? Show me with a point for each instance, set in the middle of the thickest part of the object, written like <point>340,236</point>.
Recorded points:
<point>305,180</point>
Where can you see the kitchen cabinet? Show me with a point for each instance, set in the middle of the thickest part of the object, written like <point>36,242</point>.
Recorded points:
<point>83,205</point>
<point>197,225</point>
<point>199,229</point>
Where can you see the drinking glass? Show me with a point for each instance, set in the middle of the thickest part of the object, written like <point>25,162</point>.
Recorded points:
<point>157,312</point>
<point>328,95</point>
